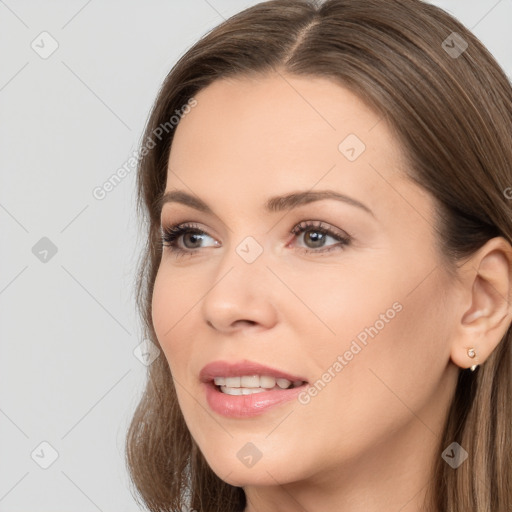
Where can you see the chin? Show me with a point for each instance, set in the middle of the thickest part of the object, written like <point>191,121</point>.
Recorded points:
<point>256,476</point>
<point>239,470</point>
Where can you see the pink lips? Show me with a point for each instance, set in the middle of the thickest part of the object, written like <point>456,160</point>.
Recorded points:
<point>225,369</point>
<point>244,406</point>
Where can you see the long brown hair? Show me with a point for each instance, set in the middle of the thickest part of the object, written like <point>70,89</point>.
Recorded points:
<point>451,107</point>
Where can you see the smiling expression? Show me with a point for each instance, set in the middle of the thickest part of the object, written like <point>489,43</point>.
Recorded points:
<point>268,273</point>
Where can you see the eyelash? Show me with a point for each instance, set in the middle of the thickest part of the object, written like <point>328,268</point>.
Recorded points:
<point>171,234</point>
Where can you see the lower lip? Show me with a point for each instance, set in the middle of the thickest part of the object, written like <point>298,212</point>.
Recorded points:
<point>245,406</point>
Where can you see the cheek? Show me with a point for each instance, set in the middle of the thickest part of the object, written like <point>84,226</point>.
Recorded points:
<point>162,305</point>
<point>385,322</point>
<point>392,360</point>
<point>169,316</point>
<point>172,321</point>
<point>349,305</point>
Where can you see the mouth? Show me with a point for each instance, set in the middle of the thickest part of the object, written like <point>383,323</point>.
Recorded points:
<point>244,389</point>
<point>250,384</point>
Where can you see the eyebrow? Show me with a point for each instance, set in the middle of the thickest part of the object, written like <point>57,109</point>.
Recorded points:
<point>274,204</point>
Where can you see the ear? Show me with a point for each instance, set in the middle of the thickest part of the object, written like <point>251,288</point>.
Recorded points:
<point>486,312</point>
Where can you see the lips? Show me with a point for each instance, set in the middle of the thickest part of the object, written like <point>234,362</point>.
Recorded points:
<point>239,369</point>
<point>233,404</point>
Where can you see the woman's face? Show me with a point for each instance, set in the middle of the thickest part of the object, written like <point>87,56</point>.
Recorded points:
<point>353,306</point>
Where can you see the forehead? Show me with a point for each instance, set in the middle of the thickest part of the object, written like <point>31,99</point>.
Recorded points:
<point>281,115</point>
<point>271,134</point>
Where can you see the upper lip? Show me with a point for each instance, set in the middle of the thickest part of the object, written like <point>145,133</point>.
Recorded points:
<point>241,368</point>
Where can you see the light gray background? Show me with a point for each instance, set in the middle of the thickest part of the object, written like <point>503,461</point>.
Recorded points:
<point>69,328</point>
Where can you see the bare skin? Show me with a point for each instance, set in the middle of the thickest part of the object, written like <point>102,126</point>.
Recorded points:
<point>367,439</point>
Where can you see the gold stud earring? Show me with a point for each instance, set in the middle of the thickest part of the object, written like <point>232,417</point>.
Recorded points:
<point>472,354</point>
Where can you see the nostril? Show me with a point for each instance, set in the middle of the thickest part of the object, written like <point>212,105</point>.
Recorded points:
<point>250,322</point>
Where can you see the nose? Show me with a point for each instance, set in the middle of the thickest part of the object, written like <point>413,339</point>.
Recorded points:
<point>241,295</point>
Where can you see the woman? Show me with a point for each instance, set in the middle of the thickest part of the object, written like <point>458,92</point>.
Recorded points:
<point>328,267</point>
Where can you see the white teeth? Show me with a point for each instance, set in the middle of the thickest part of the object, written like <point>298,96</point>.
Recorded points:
<point>246,381</point>
<point>233,382</point>
<point>241,391</point>
<point>247,384</point>
<point>267,382</point>
<point>252,381</point>
<point>283,383</point>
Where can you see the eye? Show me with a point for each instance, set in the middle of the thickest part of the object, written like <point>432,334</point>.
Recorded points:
<point>172,234</point>
<point>192,236</point>
<point>316,233</point>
